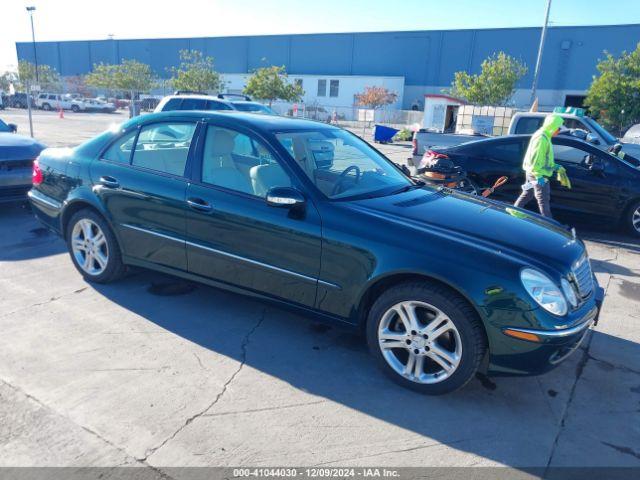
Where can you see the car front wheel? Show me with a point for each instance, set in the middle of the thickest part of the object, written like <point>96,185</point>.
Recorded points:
<point>426,337</point>
<point>93,247</point>
<point>632,219</point>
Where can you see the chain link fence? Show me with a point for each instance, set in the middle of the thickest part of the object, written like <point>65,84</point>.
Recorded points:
<point>352,117</point>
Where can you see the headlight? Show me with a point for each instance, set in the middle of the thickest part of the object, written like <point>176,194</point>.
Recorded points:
<point>569,292</point>
<point>544,291</point>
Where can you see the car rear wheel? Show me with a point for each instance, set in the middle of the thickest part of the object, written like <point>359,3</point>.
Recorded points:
<point>426,337</point>
<point>75,108</point>
<point>46,106</point>
<point>632,219</point>
<point>93,247</point>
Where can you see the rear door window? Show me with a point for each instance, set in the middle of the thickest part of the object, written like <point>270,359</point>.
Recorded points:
<point>193,104</point>
<point>120,150</point>
<point>507,152</point>
<point>528,125</point>
<point>213,105</point>
<point>164,147</point>
<point>172,104</point>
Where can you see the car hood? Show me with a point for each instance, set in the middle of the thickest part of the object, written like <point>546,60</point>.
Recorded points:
<point>18,147</point>
<point>485,223</point>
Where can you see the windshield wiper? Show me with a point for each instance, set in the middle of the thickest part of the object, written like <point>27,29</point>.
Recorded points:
<point>406,188</point>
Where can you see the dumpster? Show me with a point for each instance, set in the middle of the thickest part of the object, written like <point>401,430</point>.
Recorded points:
<point>383,134</point>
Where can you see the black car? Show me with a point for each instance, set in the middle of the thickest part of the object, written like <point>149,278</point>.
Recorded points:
<point>605,188</point>
<point>19,100</point>
<point>17,153</point>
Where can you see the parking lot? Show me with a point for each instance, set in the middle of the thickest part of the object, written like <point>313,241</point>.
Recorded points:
<point>156,371</point>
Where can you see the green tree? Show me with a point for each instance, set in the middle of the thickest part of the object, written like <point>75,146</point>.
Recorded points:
<point>195,73</point>
<point>270,83</point>
<point>614,94</point>
<point>129,76</point>
<point>48,77</point>
<point>494,85</point>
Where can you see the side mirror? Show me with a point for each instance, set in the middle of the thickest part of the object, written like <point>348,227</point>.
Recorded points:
<point>285,197</point>
<point>591,138</point>
<point>13,128</point>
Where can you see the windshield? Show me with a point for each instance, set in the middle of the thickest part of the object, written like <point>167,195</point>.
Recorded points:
<point>610,139</point>
<point>4,127</point>
<point>253,107</point>
<point>341,165</point>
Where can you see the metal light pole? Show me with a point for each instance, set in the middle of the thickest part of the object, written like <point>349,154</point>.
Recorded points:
<point>543,38</point>
<point>33,40</point>
<point>35,58</point>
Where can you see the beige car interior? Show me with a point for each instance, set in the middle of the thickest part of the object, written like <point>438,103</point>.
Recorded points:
<point>220,168</point>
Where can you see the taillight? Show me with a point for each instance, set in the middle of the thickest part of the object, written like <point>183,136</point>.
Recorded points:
<point>36,173</point>
<point>433,155</point>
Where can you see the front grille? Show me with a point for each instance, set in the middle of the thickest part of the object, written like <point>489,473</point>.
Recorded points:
<point>583,276</point>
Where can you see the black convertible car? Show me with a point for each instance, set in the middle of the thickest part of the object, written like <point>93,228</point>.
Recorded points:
<point>605,188</point>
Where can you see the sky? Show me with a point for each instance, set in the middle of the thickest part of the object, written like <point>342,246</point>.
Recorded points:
<point>91,19</point>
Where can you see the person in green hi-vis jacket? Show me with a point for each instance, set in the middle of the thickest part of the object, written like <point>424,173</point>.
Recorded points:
<point>540,166</point>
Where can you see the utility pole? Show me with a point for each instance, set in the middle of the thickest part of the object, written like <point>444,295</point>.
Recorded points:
<point>543,38</point>
<point>35,58</point>
<point>33,40</point>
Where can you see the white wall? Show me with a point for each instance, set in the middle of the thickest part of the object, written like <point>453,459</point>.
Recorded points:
<point>347,88</point>
<point>547,99</point>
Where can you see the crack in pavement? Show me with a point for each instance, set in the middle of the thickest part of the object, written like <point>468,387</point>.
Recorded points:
<point>266,409</point>
<point>243,358</point>
<point>39,304</point>
<point>622,449</point>
<point>612,365</point>
<point>411,449</point>
<point>565,413</point>
<point>84,428</point>
<point>586,356</point>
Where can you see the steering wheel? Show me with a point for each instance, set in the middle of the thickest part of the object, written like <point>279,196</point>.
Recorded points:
<point>338,186</point>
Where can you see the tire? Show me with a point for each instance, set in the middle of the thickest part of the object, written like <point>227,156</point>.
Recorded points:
<point>75,108</point>
<point>105,262</point>
<point>459,335</point>
<point>46,106</point>
<point>631,219</point>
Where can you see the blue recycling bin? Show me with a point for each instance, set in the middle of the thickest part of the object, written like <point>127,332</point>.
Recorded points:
<point>383,134</point>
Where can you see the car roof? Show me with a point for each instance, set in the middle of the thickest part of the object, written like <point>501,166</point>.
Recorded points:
<point>197,95</point>
<point>270,123</point>
<point>564,138</point>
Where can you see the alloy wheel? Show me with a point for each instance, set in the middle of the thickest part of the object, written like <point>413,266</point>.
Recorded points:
<point>89,246</point>
<point>420,342</point>
<point>635,220</point>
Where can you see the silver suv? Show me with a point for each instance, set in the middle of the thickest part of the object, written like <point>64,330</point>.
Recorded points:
<point>223,101</point>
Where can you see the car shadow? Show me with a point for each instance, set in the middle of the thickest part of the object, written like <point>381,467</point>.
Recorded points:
<point>22,237</point>
<point>610,238</point>
<point>513,421</point>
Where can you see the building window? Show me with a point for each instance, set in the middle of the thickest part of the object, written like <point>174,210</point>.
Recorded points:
<point>322,88</point>
<point>334,86</point>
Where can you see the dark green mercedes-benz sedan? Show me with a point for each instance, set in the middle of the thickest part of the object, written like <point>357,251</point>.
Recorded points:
<point>309,215</point>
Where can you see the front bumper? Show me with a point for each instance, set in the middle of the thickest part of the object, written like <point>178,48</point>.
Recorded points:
<point>513,356</point>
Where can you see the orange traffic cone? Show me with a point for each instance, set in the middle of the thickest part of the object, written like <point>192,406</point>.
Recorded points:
<point>61,113</point>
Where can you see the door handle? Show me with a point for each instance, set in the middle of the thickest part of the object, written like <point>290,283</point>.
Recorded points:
<point>199,204</point>
<point>109,182</point>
